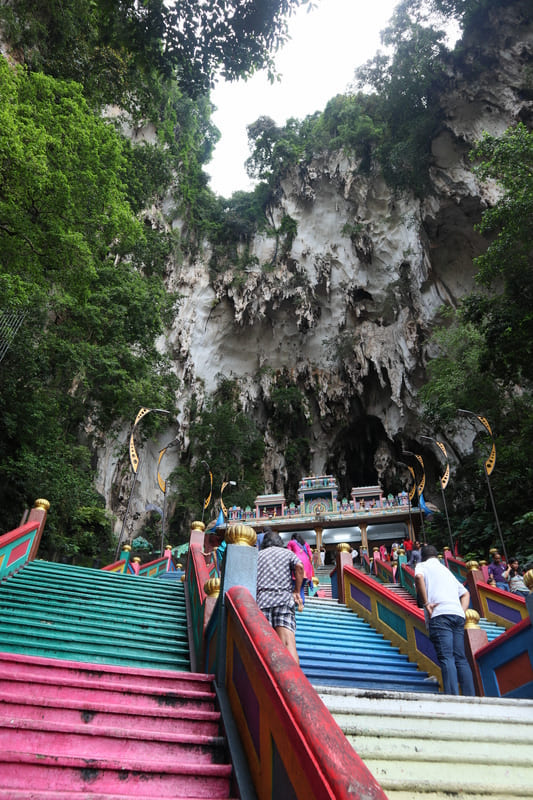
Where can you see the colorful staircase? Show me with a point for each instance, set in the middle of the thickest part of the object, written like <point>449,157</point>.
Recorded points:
<point>81,614</point>
<point>430,748</point>
<point>96,694</point>
<point>338,648</point>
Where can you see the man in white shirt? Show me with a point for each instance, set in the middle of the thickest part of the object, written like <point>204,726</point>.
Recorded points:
<point>445,601</point>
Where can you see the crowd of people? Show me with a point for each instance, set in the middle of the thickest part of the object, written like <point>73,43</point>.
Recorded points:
<point>284,572</point>
<point>507,576</point>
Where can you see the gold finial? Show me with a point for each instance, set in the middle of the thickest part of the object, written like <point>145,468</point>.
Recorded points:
<point>528,579</point>
<point>212,587</point>
<point>41,503</point>
<point>241,534</point>
<point>168,547</point>
<point>137,560</point>
<point>343,547</point>
<point>472,619</point>
<point>315,580</point>
<point>472,565</point>
<point>182,579</point>
<point>482,562</point>
<point>127,548</point>
<point>198,525</point>
<point>493,550</point>
<point>179,565</point>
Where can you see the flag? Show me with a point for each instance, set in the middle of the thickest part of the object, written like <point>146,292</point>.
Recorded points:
<point>427,511</point>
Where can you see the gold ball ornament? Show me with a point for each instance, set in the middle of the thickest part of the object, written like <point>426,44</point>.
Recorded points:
<point>241,534</point>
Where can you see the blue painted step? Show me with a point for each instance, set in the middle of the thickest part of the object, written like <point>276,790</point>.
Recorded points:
<point>338,648</point>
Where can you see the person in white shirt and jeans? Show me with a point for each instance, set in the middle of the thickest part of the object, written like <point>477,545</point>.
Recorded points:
<point>445,601</point>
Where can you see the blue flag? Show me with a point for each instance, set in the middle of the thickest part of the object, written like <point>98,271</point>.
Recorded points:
<point>427,511</point>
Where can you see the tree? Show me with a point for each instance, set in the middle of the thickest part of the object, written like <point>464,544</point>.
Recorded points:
<point>408,80</point>
<point>86,350</point>
<point>484,360</point>
<point>116,48</point>
<point>505,270</point>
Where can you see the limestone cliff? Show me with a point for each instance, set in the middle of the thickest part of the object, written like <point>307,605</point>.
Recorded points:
<point>347,311</point>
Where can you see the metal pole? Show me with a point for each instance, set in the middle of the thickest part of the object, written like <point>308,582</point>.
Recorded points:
<point>135,461</point>
<point>488,466</point>
<point>443,482</point>
<point>208,498</point>
<point>496,515</point>
<point>163,525</point>
<point>119,546</point>
<point>447,520</point>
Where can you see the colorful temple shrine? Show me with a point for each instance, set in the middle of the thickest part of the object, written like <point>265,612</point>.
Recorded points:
<point>323,519</point>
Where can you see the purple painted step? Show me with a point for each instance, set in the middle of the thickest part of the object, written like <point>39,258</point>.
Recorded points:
<point>69,730</point>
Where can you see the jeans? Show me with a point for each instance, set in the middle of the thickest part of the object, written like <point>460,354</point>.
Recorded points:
<point>446,632</point>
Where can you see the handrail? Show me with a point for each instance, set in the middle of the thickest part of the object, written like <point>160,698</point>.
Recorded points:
<point>293,745</point>
<point>201,604</point>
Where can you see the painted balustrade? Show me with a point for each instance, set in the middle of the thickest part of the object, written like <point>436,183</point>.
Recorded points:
<point>123,565</point>
<point>293,746</point>
<point>502,668</point>
<point>456,566</point>
<point>202,592</point>
<point>384,571</point>
<point>406,578</point>
<point>20,545</point>
<point>496,605</point>
<point>506,664</point>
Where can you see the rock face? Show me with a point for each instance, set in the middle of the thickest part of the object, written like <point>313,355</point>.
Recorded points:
<point>346,311</point>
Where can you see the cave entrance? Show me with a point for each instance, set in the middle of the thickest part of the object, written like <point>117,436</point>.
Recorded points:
<point>352,454</point>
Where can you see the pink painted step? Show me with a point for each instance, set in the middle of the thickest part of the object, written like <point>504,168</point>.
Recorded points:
<point>71,730</point>
<point>26,668</point>
<point>49,739</point>
<point>30,794</point>
<point>126,777</point>
<point>175,720</point>
<point>115,700</point>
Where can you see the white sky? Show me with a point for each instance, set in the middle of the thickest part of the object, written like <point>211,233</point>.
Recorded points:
<point>318,62</point>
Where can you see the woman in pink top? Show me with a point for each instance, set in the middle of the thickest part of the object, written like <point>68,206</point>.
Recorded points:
<point>299,547</point>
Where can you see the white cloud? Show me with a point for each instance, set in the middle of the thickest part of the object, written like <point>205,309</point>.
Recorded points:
<point>326,46</point>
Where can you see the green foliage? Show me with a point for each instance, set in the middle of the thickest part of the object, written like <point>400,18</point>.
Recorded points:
<point>86,351</point>
<point>120,50</point>
<point>224,436</point>
<point>484,363</point>
<point>289,421</point>
<point>506,315</point>
<point>409,83</point>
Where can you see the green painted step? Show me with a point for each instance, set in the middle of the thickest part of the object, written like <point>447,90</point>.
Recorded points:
<point>82,614</point>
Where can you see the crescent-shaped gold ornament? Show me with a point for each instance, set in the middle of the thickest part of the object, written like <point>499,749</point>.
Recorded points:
<point>445,478</point>
<point>484,421</point>
<point>162,483</point>
<point>412,490</point>
<point>491,460</point>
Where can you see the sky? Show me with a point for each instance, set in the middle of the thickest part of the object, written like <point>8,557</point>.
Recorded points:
<point>318,62</point>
